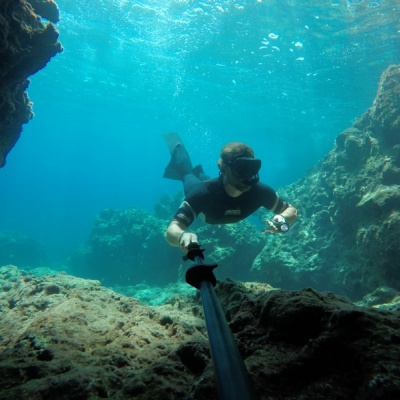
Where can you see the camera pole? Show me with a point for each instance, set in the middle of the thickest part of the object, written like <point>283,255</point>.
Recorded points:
<point>233,379</point>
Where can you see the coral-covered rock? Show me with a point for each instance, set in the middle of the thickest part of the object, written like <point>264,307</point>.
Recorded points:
<point>66,338</point>
<point>346,239</point>
<point>233,247</point>
<point>26,46</point>
<point>383,118</point>
<point>127,247</point>
<point>167,205</point>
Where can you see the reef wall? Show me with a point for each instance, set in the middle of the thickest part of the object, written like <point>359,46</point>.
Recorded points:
<point>27,43</point>
<point>346,239</point>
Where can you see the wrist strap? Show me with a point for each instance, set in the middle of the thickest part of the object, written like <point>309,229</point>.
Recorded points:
<point>180,237</point>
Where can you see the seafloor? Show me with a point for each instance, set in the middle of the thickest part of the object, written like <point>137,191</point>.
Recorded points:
<point>64,337</point>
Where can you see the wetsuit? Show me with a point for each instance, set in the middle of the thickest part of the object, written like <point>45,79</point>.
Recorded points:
<point>210,199</point>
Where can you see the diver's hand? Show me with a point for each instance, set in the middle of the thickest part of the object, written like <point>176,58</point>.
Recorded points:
<point>278,224</point>
<point>185,239</point>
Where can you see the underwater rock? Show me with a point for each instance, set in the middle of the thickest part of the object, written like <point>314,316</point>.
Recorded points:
<point>127,247</point>
<point>168,205</point>
<point>126,250</point>
<point>233,247</point>
<point>383,118</point>
<point>46,8</point>
<point>384,298</point>
<point>26,45</point>
<point>346,239</point>
<point>83,340</point>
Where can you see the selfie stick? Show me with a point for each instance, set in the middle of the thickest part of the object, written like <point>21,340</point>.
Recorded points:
<point>233,379</point>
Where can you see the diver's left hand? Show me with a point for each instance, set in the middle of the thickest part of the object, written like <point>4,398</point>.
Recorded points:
<point>274,223</point>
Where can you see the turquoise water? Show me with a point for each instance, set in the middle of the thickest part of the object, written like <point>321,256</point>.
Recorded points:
<point>284,76</point>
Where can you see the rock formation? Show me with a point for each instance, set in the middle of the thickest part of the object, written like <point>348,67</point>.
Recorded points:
<point>62,337</point>
<point>346,239</point>
<point>127,246</point>
<point>27,43</point>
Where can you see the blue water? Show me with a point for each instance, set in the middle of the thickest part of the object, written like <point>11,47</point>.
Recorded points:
<point>284,76</point>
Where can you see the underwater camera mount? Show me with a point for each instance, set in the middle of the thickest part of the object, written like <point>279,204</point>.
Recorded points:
<point>233,379</point>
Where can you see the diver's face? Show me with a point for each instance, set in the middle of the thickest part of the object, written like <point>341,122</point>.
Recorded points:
<point>243,173</point>
<point>236,181</point>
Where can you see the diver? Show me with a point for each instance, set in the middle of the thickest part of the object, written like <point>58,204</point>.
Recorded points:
<point>232,197</point>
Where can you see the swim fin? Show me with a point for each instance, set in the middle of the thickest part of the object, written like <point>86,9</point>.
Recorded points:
<point>199,172</point>
<point>180,163</point>
<point>172,139</point>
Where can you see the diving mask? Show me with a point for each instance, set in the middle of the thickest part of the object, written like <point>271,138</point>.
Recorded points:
<point>246,169</point>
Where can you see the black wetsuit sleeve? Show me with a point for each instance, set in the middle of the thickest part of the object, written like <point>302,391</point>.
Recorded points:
<point>271,199</point>
<point>281,206</point>
<point>185,214</point>
<point>192,205</point>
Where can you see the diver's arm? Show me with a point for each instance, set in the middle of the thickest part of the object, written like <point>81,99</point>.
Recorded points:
<point>284,210</point>
<point>290,215</point>
<point>287,216</point>
<point>176,235</point>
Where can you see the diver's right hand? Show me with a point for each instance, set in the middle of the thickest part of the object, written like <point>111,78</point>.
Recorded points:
<point>185,239</point>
